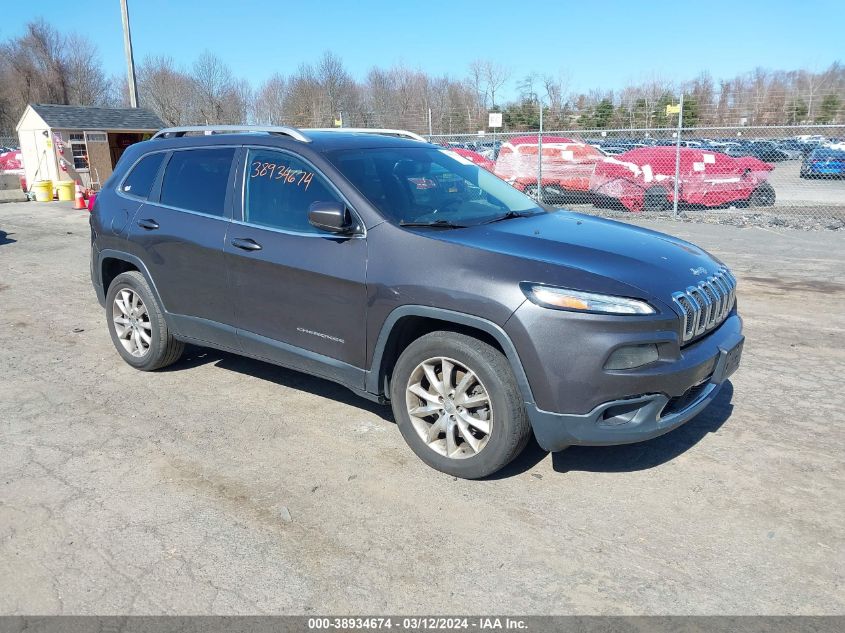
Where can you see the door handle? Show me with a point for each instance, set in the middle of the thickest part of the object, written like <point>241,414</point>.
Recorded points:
<point>246,243</point>
<point>149,224</point>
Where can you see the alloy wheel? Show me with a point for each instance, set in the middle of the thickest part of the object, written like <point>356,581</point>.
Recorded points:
<point>449,407</point>
<point>132,322</point>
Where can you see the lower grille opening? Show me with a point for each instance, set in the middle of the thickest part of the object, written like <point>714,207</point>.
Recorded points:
<point>620,413</point>
<point>679,403</point>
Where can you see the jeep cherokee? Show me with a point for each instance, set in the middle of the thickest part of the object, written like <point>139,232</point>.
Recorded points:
<point>411,276</point>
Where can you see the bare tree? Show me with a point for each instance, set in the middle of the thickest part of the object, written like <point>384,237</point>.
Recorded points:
<point>269,104</point>
<point>46,50</point>
<point>166,90</point>
<point>43,66</point>
<point>87,83</point>
<point>495,77</point>
<point>556,89</point>
<point>338,88</point>
<point>213,85</point>
<point>304,98</point>
<point>527,88</point>
<point>477,79</point>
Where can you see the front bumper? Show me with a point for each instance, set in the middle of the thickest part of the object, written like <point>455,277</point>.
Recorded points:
<point>674,395</point>
<point>638,418</point>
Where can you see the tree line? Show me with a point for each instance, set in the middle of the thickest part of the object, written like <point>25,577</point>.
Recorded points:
<point>44,66</point>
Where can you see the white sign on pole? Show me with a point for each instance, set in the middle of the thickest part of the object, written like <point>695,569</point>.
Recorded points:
<point>495,119</point>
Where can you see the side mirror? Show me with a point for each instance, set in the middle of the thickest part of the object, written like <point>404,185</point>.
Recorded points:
<point>330,216</point>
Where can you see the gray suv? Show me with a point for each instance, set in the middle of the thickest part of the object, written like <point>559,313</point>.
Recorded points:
<point>406,273</point>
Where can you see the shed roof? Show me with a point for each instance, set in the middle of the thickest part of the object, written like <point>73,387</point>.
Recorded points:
<point>67,117</point>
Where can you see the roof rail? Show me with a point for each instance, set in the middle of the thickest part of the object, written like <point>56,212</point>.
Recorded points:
<point>366,130</point>
<point>176,132</point>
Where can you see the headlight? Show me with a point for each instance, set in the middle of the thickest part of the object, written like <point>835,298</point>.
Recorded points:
<point>564,299</point>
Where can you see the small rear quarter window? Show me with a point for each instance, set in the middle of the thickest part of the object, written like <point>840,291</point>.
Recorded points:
<point>140,180</point>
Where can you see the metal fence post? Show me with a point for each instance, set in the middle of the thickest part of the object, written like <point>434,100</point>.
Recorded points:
<point>540,157</point>
<point>430,133</point>
<point>678,155</point>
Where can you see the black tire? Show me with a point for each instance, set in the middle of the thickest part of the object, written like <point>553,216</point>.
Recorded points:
<point>762,196</point>
<point>552,198</point>
<point>163,348</point>
<point>531,192</point>
<point>655,198</point>
<point>509,429</point>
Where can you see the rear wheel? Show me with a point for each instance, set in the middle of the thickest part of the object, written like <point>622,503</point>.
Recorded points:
<point>458,406</point>
<point>762,196</point>
<point>655,199</point>
<point>137,326</point>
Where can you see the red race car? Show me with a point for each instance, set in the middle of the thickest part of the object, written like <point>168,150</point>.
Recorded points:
<point>643,179</point>
<point>567,165</point>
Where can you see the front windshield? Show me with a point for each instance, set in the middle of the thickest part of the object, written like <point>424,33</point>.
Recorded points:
<point>426,185</point>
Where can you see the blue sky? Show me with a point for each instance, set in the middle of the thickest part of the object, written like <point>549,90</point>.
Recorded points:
<point>596,45</point>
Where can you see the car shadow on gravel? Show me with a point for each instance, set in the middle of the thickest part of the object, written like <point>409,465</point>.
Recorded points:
<point>196,356</point>
<point>629,457</point>
<point>651,453</point>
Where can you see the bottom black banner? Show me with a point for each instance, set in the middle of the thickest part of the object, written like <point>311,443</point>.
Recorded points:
<point>525,624</point>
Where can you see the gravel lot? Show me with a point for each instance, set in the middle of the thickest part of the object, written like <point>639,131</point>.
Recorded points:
<point>225,485</point>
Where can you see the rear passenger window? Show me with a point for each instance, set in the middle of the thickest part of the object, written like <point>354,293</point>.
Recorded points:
<point>140,180</point>
<point>280,188</point>
<point>196,180</point>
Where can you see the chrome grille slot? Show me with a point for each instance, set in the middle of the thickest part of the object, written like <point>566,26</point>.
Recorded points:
<point>715,302</point>
<point>704,306</point>
<point>688,311</point>
<point>724,292</point>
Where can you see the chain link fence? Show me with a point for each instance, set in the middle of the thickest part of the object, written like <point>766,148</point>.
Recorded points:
<point>788,175</point>
<point>781,175</point>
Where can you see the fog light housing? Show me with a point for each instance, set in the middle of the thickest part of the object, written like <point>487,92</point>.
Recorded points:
<point>631,356</point>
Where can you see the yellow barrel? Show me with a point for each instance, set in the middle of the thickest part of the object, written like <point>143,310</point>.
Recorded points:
<point>43,190</point>
<point>66,190</point>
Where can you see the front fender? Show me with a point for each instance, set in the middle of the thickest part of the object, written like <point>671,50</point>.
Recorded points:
<point>376,375</point>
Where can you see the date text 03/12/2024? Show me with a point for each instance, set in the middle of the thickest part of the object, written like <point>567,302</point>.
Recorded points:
<point>418,623</point>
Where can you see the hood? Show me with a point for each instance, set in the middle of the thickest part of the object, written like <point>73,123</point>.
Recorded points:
<point>655,263</point>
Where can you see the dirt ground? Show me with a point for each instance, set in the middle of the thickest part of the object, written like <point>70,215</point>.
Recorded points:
<point>226,485</point>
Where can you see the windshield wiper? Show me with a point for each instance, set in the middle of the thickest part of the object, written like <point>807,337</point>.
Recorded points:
<point>443,224</point>
<point>510,215</point>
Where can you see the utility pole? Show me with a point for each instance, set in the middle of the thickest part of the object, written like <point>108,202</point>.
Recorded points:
<point>540,156</point>
<point>678,154</point>
<point>130,60</point>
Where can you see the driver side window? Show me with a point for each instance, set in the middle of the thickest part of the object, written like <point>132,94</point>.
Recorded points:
<point>280,188</point>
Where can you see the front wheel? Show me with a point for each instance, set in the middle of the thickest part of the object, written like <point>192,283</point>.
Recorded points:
<point>457,404</point>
